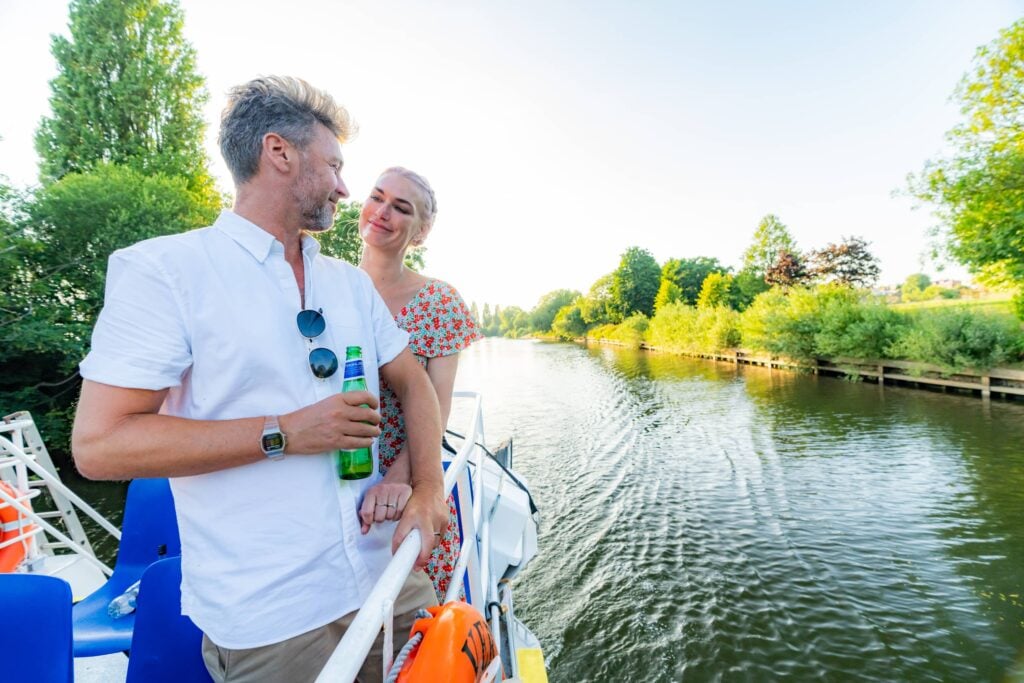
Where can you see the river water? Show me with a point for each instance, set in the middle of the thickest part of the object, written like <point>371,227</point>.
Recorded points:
<point>708,522</point>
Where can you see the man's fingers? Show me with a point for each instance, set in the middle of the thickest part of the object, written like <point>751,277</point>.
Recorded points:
<point>359,398</point>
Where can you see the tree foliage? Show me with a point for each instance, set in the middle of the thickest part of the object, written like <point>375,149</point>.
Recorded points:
<point>127,92</point>
<point>978,190</point>
<point>848,263</point>
<point>543,314</point>
<point>54,288</point>
<point>788,270</point>
<point>596,307</point>
<point>689,274</point>
<point>668,293</point>
<point>635,283</point>
<point>568,323</point>
<point>770,239</point>
<point>716,291</point>
<point>746,286</point>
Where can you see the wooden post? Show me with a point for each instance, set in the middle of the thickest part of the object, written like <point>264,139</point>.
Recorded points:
<point>881,375</point>
<point>986,386</point>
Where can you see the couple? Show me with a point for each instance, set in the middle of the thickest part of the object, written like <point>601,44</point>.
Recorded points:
<point>202,370</point>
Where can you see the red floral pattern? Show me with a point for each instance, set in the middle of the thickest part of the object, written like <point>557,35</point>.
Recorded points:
<point>439,324</point>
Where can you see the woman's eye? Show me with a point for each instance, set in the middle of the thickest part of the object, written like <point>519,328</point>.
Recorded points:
<point>402,209</point>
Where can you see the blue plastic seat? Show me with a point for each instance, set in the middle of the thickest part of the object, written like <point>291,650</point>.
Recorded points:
<point>38,610</point>
<point>149,533</point>
<point>166,646</point>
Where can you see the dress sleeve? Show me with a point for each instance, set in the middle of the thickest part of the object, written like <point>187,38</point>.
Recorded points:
<point>444,324</point>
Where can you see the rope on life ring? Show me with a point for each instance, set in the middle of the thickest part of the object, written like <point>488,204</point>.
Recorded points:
<point>13,524</point>
<point>451,643</point>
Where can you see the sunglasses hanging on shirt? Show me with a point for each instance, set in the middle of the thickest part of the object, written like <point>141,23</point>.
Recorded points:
<point>322,361</point>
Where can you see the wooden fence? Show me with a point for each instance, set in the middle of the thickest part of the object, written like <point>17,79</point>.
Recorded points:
<point>1003,381</point>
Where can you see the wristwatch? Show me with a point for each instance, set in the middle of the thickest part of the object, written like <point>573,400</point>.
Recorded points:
<point>273,441</point>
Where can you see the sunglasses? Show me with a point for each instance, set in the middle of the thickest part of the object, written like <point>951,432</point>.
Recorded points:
<point>322,362</point>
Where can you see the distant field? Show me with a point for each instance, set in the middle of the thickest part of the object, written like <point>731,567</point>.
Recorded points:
<point>996,304</point>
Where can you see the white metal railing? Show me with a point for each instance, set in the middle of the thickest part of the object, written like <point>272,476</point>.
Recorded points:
<point>19,461</point>
<point>377,610</point>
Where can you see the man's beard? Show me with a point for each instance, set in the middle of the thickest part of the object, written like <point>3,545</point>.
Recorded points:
<point>317,213</point>
<point>317,217</point>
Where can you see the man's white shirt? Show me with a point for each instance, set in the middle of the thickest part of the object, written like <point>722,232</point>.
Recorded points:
<point>271,549</point>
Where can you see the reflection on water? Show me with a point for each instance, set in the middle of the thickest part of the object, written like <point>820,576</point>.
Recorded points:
<point>711,522</point>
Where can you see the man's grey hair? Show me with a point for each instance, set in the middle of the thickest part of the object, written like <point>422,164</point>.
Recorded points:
<point>288,106</point>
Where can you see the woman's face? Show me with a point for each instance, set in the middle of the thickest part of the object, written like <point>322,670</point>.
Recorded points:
<point>392,216</point>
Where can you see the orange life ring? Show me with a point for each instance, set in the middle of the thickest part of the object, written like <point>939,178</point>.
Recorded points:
<point>457,646</point>
<point>12,525</point>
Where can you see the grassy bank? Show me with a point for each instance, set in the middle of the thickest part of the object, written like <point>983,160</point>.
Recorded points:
<point>830,321</point>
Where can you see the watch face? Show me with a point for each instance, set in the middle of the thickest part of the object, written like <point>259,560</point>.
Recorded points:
<point>273,442</point>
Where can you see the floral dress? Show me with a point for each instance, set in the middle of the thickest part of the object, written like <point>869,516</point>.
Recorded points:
<point>439,324</point>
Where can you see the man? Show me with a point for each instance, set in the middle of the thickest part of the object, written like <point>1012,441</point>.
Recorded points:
<point>202,369</point>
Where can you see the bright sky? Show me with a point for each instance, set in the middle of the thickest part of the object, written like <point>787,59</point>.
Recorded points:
<point>557,134</point>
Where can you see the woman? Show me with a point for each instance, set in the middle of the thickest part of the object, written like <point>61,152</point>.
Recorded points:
<point>399,214</point>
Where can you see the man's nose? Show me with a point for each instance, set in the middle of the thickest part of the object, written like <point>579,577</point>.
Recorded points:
<point>341,188</point>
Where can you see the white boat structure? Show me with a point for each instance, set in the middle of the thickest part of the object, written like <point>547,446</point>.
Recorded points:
<point>42,533</point>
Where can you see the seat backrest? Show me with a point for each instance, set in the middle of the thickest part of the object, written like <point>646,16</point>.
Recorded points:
<point>38,608</point>
<point>149,531</point>
<point>166,646</point>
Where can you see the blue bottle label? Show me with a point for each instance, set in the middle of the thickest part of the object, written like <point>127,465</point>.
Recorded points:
<point>354,368</point>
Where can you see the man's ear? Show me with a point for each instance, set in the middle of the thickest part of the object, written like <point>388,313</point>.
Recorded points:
<point>279,153</point>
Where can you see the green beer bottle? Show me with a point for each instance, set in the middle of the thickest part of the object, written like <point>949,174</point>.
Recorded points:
<point>358,463</point>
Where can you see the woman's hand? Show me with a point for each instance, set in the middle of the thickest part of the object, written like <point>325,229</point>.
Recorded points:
<point>386,500</point>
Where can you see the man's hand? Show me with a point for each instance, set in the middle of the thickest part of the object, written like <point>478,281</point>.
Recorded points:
<point>337,422</point>
<point>428,512</point>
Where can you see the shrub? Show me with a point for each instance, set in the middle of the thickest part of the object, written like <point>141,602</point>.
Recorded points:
<point>630,331</point>
<point>957,338</point>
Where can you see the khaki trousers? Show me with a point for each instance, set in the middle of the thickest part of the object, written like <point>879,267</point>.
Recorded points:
<point>300,659</point>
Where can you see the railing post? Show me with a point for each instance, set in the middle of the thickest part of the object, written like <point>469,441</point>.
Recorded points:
<point>986,386</point>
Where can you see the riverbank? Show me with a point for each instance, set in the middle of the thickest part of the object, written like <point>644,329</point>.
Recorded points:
<point>1002,382</point>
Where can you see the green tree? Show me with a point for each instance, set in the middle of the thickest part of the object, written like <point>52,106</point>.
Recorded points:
<point>848,263</point>
<point>635,283</point>
<point>978,190</point>
<point>55,289</point>
<point>515,322</point>
<point>770,239</point>
<point>689,274</point>
<point>543,314</point>
<point>668,293</point>
<point>596,307</point>
<point>127,92</point>
<point>913,286</point>
<point>343,241</point>
<point>745,287</point>
<point>716,291</point>
<point>568,323</point>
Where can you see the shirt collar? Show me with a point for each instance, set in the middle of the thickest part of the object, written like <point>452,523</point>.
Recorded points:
<point>255,239</point>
